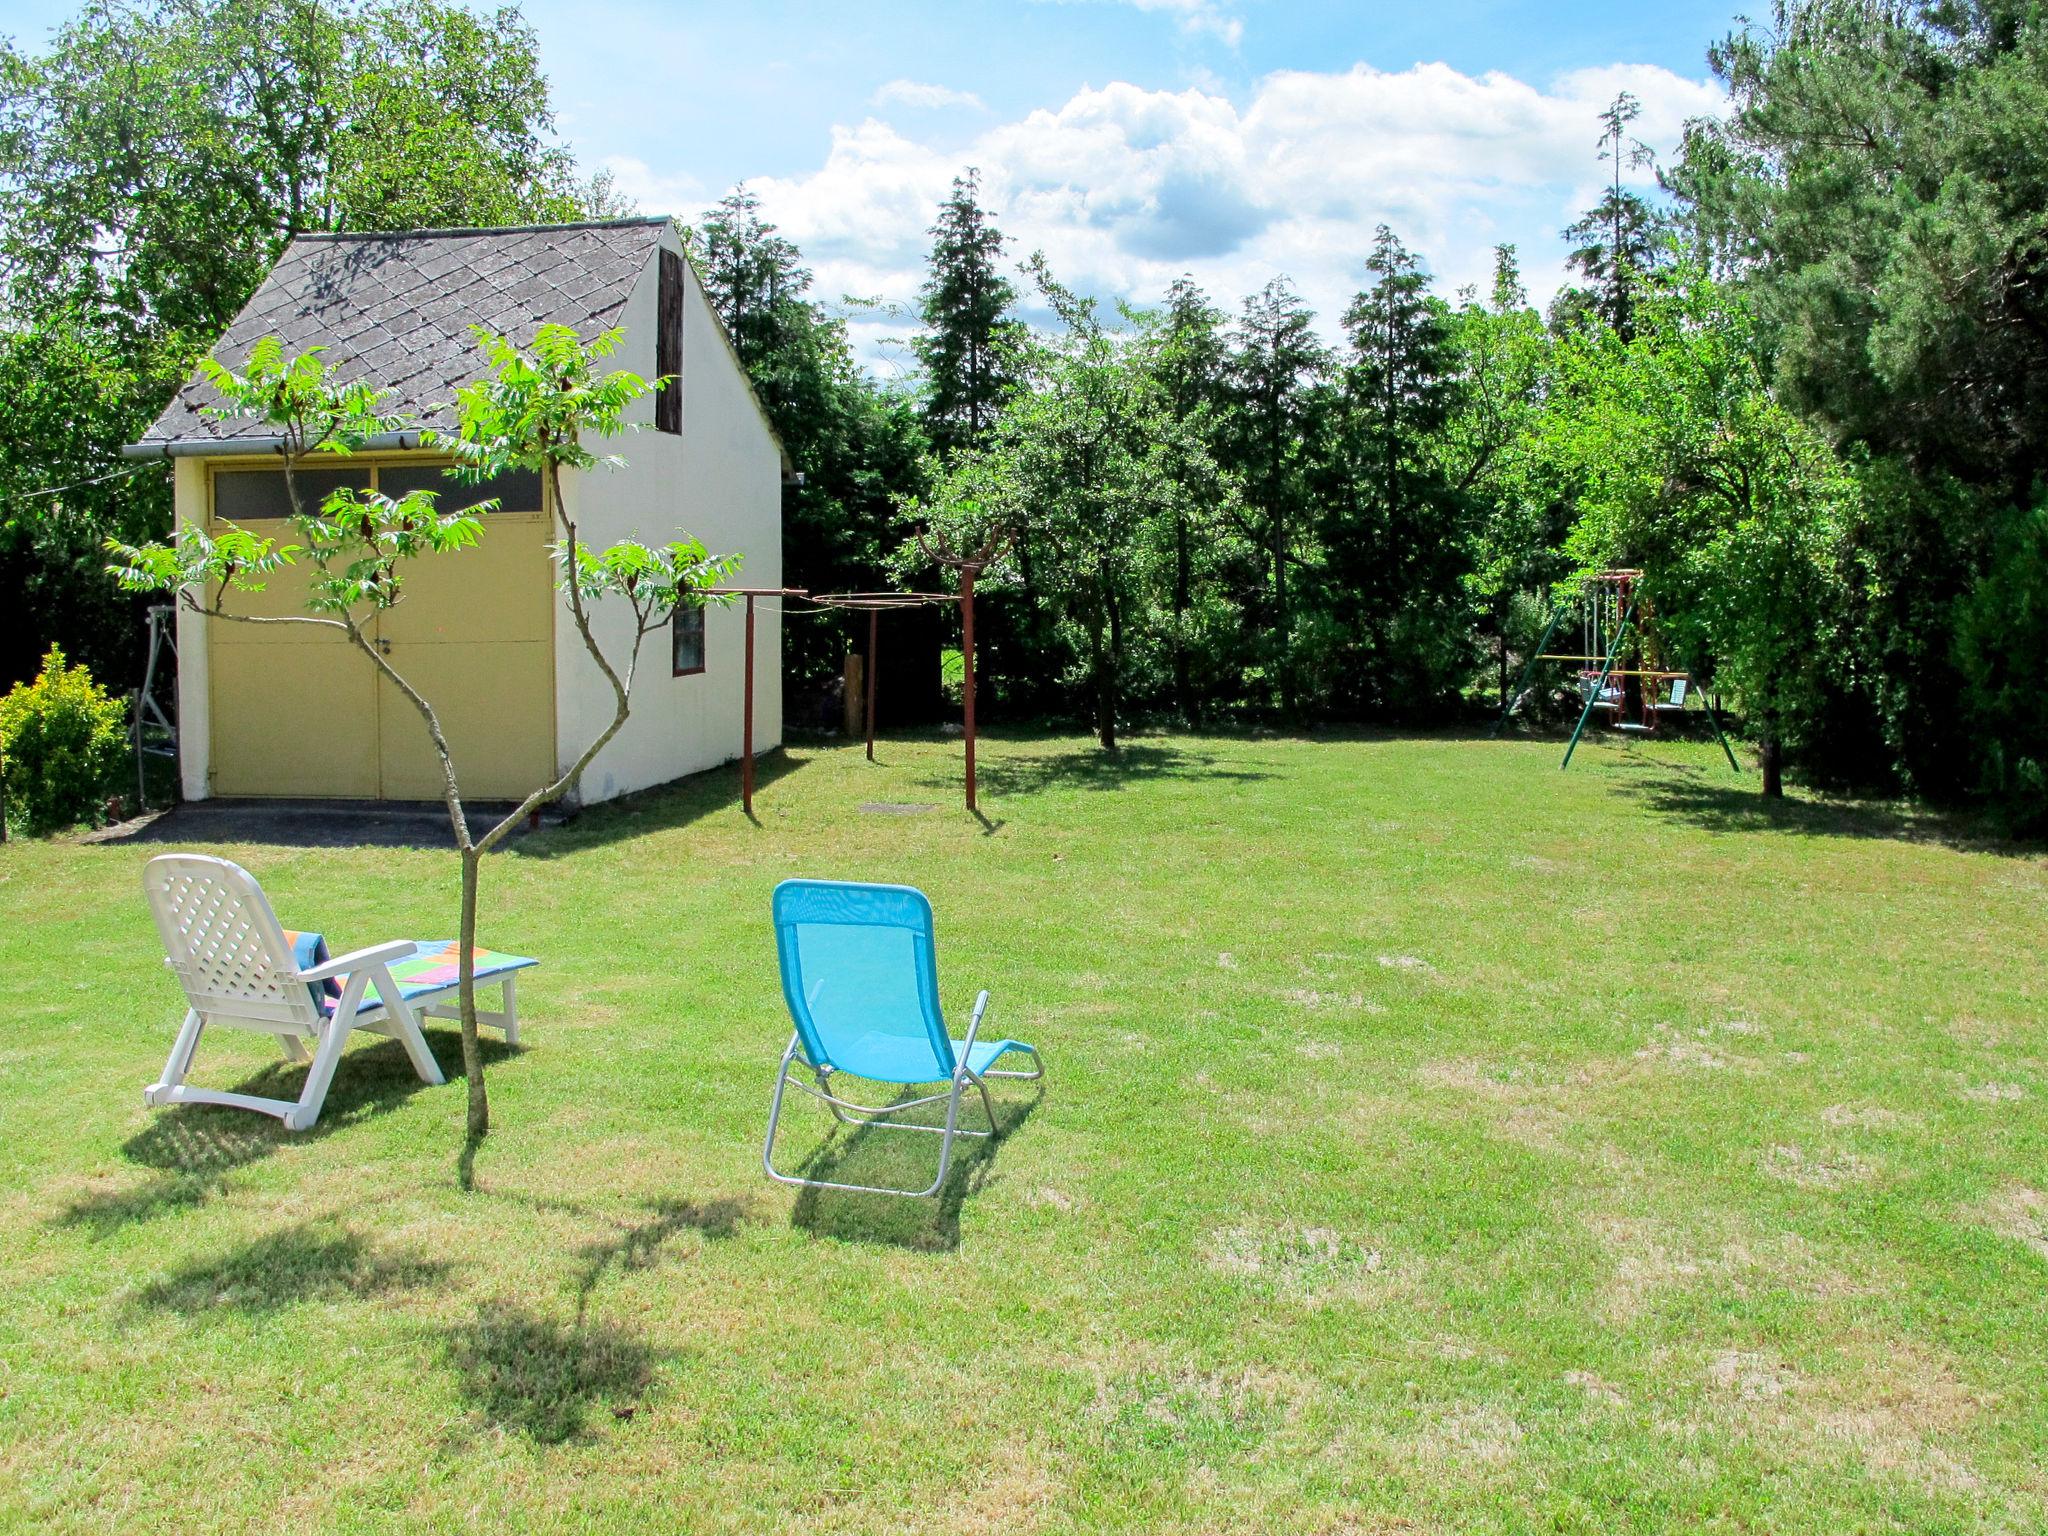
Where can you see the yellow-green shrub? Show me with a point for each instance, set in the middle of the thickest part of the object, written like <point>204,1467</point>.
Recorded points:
<point>61,739</point>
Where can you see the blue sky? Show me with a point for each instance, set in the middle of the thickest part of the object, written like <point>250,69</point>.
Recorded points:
<point>1131,140</point>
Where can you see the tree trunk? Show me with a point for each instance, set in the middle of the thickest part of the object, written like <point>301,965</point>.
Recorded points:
<point>472,1051</point>
<point>1183,583</point>
<point>1099,674</point>
<point>1771,760</point>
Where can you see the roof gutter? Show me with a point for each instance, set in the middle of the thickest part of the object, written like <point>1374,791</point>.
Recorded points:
<point>245,447</point>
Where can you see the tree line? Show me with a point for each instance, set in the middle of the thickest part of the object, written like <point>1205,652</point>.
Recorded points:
<point>1799,385</point>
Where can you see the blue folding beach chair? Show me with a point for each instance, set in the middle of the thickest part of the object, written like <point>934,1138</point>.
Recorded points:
<point>862,983</point>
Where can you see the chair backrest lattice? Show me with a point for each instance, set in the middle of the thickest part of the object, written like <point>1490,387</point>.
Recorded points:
<point>860,974</point>
<point>223,942</point>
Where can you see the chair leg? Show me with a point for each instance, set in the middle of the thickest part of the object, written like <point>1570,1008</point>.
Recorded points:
<point>951,1131</point>
<point>511,1005</point>
<point>294,1050</point>
<point>179,1062</point>
<point>406,1025</point>
<point>327,1056</point>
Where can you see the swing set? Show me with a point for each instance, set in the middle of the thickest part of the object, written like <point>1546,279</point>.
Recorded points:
<point>1616,669</point>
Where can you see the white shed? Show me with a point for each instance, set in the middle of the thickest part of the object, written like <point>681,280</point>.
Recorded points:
<point>482,632</point>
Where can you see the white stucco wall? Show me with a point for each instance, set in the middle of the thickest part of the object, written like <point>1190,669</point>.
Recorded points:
<point>720,481</point>
<point>195,715</point>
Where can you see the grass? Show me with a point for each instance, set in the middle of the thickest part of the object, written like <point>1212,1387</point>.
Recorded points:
<point>1432,1142</point>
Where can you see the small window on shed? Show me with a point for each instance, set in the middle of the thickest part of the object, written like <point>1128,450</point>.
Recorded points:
<point>668,345</point>
<point>517,490</point>
<point>687,628</point>
<point>253,495</point>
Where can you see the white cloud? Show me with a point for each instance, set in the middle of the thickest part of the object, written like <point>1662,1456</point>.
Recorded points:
<point>916,93</point>
<point>654,191</point>
<point>1199,16</point>
<point>1126,188</point>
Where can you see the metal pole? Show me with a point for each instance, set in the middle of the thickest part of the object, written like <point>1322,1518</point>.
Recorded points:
<point>874,635</point>
<point>967,672</point>
<point>1707,698</point>
<point>1507,709</point>
<point>1620,634</point>
<point>747,736</point>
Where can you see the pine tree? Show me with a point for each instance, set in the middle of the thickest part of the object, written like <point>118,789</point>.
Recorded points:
<point>1187,361</point>
<point>967,347</point>
<point>1276,372</point>
<point>1394,557</point>
<point>1617,238</point>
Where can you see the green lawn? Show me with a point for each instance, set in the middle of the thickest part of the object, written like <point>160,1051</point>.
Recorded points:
<point>1432,1141</point>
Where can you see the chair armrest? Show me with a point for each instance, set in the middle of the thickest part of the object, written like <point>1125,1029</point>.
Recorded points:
<point>376,954</point>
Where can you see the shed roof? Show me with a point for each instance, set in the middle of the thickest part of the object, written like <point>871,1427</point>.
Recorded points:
<point>397,308</point>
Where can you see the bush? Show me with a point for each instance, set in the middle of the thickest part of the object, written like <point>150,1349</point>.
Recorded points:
<point>2002,650</point>
<point>62,737</point>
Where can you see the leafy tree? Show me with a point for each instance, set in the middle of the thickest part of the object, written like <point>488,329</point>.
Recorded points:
<point>1087,468</point>
<point>1617,240</point>
<point>534,411</point>
<point>1276,374</point>
<point>1491,455</point>
<point>1392,527</point>
<point>968,347</point>
<point>1737,511</point>
<point>154,159</point>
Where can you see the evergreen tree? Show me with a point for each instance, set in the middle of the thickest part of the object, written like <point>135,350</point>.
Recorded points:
<point>1276,376</point>
<point>967,349</point>
<point>1616,241</point>
<point>856,447</point>
<point>1392,529</point>
<point>1187,360</point>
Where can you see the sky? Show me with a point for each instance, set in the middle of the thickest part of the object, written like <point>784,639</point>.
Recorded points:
<point>1130,140</point>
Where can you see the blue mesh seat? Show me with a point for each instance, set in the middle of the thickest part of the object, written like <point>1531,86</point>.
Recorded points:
<point>860,976</point>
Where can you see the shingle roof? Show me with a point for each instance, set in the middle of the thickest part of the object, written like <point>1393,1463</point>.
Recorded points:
<point>396,308</point>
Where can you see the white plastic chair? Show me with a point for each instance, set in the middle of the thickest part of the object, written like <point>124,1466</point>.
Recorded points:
<point>228,951</point>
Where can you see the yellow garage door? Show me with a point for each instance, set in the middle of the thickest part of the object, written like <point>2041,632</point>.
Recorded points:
<point>297,710</point>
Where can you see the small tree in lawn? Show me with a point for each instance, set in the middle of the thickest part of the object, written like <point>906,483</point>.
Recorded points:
<point>533,412</point>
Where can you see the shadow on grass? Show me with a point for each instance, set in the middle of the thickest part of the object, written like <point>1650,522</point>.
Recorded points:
<point>542,1378</point>
<point>1136,762</point>
<point>661,809</point>
<point>1730,807</point>
<point>191,1149</point>
<point>314,1261</point>
<point>872,1154</point>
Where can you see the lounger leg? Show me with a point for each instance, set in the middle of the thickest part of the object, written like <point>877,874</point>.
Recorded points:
<point>179,1062</point>
<point>328,1055</point>
<point>294,1051</point>
<point>406,1026</point>
<point>511,1007</point>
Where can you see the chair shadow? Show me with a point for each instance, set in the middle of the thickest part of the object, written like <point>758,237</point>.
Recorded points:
<point>191,1149</point>
<point>871,1154</point>
<point>310,1261</point>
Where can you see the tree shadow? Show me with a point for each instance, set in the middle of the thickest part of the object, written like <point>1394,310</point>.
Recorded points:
<point>313,1261</point>
<point>664,808</point>
<point>872,1154</point>
<point>192,1149</point>
<point>1724,807</point>
<point>1090,768</point>
<point>542,1378</point>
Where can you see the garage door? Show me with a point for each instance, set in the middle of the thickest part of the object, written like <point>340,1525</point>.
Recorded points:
<point>297,710</point>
